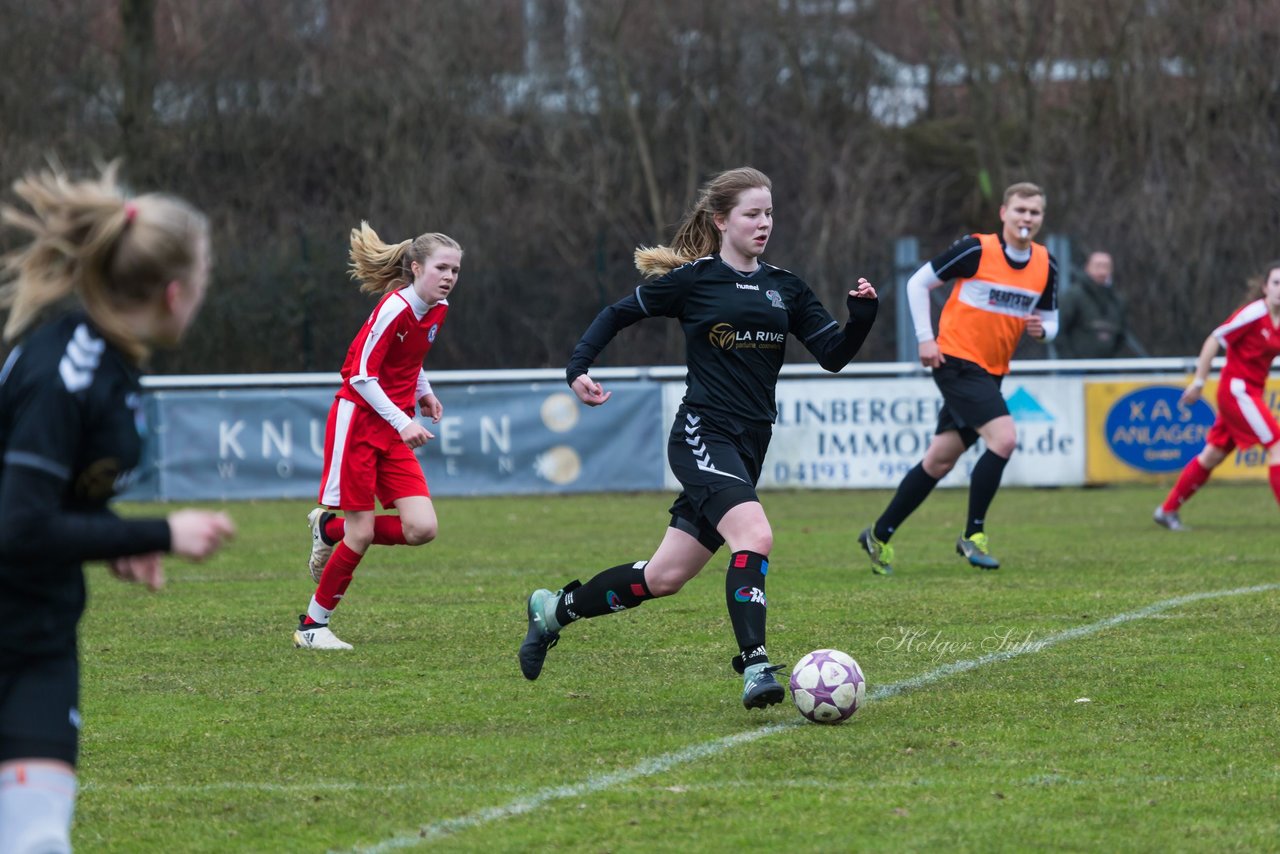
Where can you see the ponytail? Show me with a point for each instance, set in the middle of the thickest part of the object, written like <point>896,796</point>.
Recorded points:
<point>87,239</point>
<point>697,235</point>
<point>381,268</point>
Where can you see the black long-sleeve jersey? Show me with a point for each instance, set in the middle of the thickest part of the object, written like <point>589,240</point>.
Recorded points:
<point>735,326</point>
<point>71,435</point>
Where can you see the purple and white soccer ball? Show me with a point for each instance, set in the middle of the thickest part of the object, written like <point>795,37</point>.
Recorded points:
<point>827,686</point>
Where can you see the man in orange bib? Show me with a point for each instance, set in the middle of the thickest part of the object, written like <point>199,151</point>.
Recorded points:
<point>1005,284</point>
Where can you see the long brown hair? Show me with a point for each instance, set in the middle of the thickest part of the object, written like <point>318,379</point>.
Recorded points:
<point>1256,286</point>
<point>91,241</point>
<point>381,268</point>
<point>697,235</point>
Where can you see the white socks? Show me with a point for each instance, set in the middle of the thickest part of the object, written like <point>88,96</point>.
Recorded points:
<point>37,799</point>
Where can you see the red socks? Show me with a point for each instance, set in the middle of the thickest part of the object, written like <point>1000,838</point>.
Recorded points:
<point>387,530</point>
<point>1192,478</point>
<point>337,576</point>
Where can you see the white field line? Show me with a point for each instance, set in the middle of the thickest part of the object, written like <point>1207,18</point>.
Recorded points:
<point>658,764</point>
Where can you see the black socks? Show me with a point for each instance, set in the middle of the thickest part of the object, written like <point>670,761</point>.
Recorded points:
<point>748,609</point>
<point>914,489</point>
<point>983,484</point>
<point>621,587</point>
<point>614,589</point>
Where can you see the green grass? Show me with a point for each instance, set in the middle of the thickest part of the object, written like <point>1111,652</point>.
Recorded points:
<point>206,731</point>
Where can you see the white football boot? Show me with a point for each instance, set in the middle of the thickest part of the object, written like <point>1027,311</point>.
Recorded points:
<point>317,636</point>
<point>320,550</point>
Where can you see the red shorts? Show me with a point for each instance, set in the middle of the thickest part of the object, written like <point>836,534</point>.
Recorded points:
<point>364,458</point>
<point>1243,419</point>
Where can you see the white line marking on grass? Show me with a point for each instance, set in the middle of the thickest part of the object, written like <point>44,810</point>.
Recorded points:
<point>649,767</point>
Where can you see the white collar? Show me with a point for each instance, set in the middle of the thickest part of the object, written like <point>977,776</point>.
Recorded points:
<point>417,303</point>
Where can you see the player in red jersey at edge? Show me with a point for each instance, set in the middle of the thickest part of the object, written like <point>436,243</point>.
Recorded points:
<point>371,433</point>
<point>1251,337</point>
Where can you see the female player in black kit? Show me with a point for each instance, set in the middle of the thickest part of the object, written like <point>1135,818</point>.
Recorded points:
<point>736,312</point>
<point>70,437</point>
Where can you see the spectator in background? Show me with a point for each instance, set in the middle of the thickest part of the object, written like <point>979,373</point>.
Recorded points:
<point>1091,315</point>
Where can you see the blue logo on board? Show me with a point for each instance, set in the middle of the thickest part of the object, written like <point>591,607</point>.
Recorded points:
<point>1024,407</point>
<point>1149,430</point>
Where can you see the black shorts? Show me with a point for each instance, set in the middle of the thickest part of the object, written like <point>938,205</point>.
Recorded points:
<point>718,465</point>
<point>39,714</point>
<point>970,397</point>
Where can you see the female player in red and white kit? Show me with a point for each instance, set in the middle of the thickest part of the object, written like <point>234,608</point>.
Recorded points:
<point>1252,338</point>
<point>371,432</point>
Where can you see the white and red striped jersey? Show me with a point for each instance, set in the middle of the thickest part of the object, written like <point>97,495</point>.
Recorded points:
<point>391,347</point>
<point>1252,343</point>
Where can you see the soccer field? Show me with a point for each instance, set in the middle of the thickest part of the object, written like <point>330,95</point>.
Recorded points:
<point>1113,687</point>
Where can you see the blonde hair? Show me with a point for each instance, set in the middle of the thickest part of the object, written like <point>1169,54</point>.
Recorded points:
<point>381,268</point>
<point>89,240</point>
<point>1025,189</point>
<point>697,235</point>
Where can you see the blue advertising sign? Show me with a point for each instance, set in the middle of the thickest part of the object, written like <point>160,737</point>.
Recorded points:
<point>1148,429</point>
<point>494,439</point>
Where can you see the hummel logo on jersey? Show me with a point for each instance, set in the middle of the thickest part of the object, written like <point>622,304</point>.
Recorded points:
<point>701,453</point>
<point>80,359</point>
<point>743,286</point>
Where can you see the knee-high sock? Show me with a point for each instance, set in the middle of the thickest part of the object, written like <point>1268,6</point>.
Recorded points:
<point>37,800</point>
<point>1274,474</point>
<point>983,484</point>
<point>334,582</point>
<point>912,491</point>
<point>745,599</point>
<point>387,530</point>
<point>614,589</point>
<point>1194,475</point>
